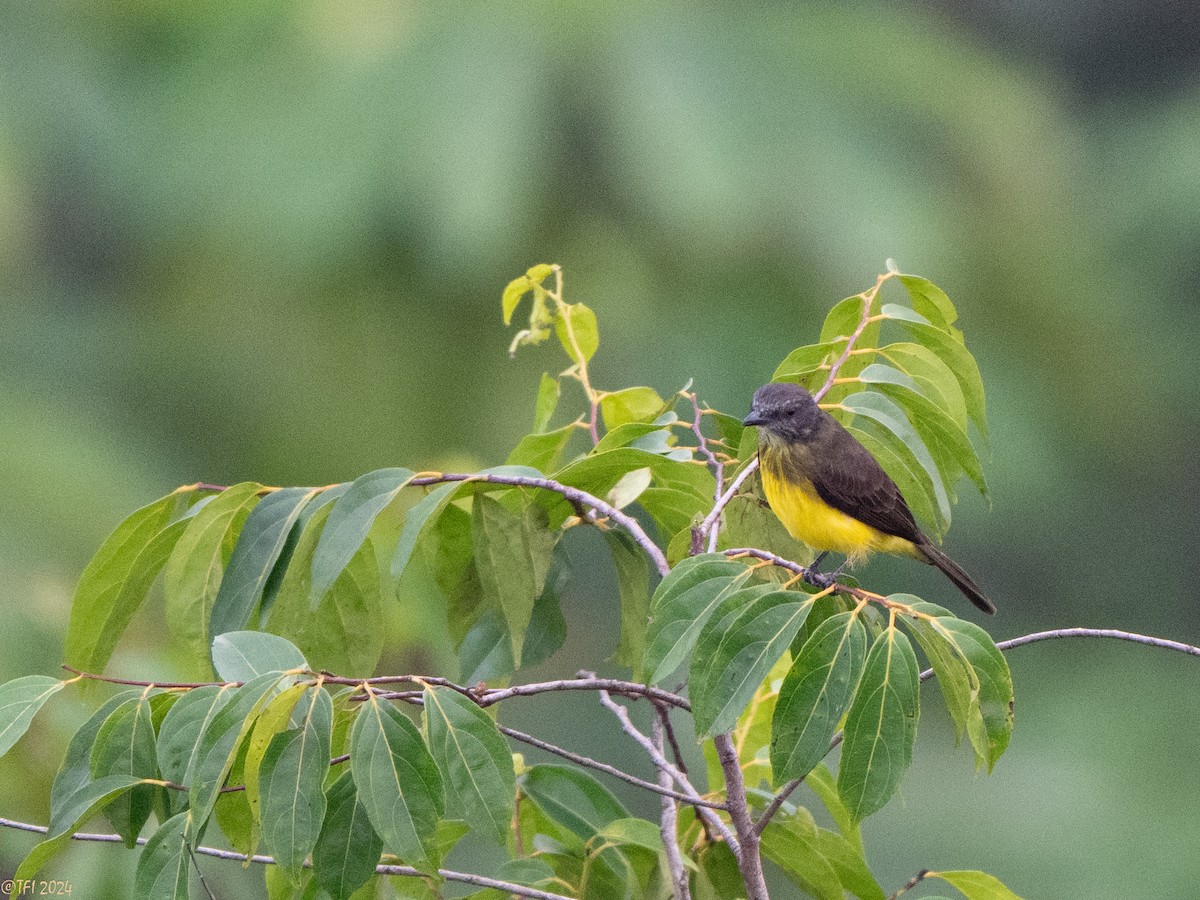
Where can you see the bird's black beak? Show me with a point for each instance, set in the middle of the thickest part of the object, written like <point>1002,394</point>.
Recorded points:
<point>755,418</point>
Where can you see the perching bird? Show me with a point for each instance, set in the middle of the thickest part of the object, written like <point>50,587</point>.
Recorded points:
<point>828,490</point>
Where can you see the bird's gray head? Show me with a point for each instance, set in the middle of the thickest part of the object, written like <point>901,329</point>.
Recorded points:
<point>784,410</point>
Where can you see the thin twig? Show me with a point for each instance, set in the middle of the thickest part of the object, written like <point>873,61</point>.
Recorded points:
<point>590,763</point>
<point>773,807</point>
<point>748,855</point>
<point>706,814</point>
<point>868,296</point>
<point>669,820</point>
<point>714,515</point>
<point>912,883</point>
<point>382,869</point>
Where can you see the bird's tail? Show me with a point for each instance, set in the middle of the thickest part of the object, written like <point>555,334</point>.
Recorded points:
<point>934,556</point>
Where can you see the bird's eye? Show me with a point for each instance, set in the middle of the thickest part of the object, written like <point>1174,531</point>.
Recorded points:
<point>790,412</point>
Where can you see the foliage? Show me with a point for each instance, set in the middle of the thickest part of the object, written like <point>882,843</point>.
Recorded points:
<point>331,776</point>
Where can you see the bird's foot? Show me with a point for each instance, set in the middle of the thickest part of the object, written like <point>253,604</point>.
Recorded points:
<point>820,579</point>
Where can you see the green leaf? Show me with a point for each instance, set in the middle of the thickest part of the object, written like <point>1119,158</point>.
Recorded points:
<point>930,301</point>
<point>933,376</point>
<point>681,605</point>
<point>976,885</point>
<point>842,321</point>
<point>425,509</point>
<point>629,487</point>
<point>821,782</point>
<point>804,361</point>
<point>78,807</point>
<point>512,555</point>
<point>960,361</point>
<point>254,556</point>
<point>815,694</point>
<point>349,523</point>
<point>635,404</point>
<point>886,413</point>
<point>636,833</point>
<point>791,843</point>
<point>243,655</point>
<point>633,585</point>
<point>291,779</point>
<point>193,573</point>
<point>348,848</point>
<point>342,634</point>
<point>880,726</point>
<point>474,760</point>
<point>486,651</point>
<point>115,583</point>
<point>163,867</point>
<point>742,640</point>
<point>973,676</point>
<point>572,798</point>
<point>20,700</point>
<point>848,863</point>
<point>75,771</point>
<point>217,747</point>
<point>541,450</point>
<point>547,402</point>
<point>125,745</point>
<point>577,332</point>
<point>679,492</point>
<point>522,285</point>
<point>398,782</point>
<point>274,717</point>
<point>179,733</point>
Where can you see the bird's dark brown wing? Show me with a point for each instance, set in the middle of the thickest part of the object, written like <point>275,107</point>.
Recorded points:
<point>849,479</point>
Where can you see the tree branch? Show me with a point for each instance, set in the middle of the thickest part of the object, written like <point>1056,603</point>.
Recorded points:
<point>704,813</point>
<point>669,819</point>
<point>382,869</point>
<point>748,855</point>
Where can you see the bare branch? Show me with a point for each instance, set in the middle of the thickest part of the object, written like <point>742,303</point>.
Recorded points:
<point>611,770</point>
<point>669,820</point>
<point>705,814</point>
<point>748,855</point>
<point>383,869</point>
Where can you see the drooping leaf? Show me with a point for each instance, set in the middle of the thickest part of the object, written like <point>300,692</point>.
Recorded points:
<point>244,655</point>
<point>348,524</point>
<point>516,289</point>
<point>973,676</point>
<point>20,699</point>
<point>629,487</point>
<point>486,651</point>
<point>422,512</point>
<point>742,640</point>
<point>815,694</point>
<point>398,783</point>
<point>193,573</point>
<point>217,747</point>
<point>474,760</point>
<point>976,885</point>
<point>931,302</point>
<point>791,843</point>
<point>512,555</point>
<point>348,848</point>
<point>881,725</point>
<point>572,798</point>
<point>291,779</point>
<point>681,605</point>
<point>115,583</point>
<point>164,864</point>
<point>125,745</point>
<point>258,547</point>
<point>65,820</point>
<point>272,719</point>
<point>960,361</point>
<point>633,585</point>
<point>342,634</point>
<point>547,402</point>
<point>822,783</point>
<point>933,376</point>
<point>577,332</point>
<point>179,733</point>
<point>75,771</point>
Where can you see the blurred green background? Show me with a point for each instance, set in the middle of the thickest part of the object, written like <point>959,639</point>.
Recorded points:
<point>255,239</point>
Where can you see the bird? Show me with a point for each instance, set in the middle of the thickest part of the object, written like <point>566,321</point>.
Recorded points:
<point>831,493</point>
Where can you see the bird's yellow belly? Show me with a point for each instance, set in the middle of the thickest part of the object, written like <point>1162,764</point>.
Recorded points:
<point>810,519</point>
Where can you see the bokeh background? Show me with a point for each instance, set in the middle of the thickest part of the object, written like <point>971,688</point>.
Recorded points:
<point>266,240</point>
